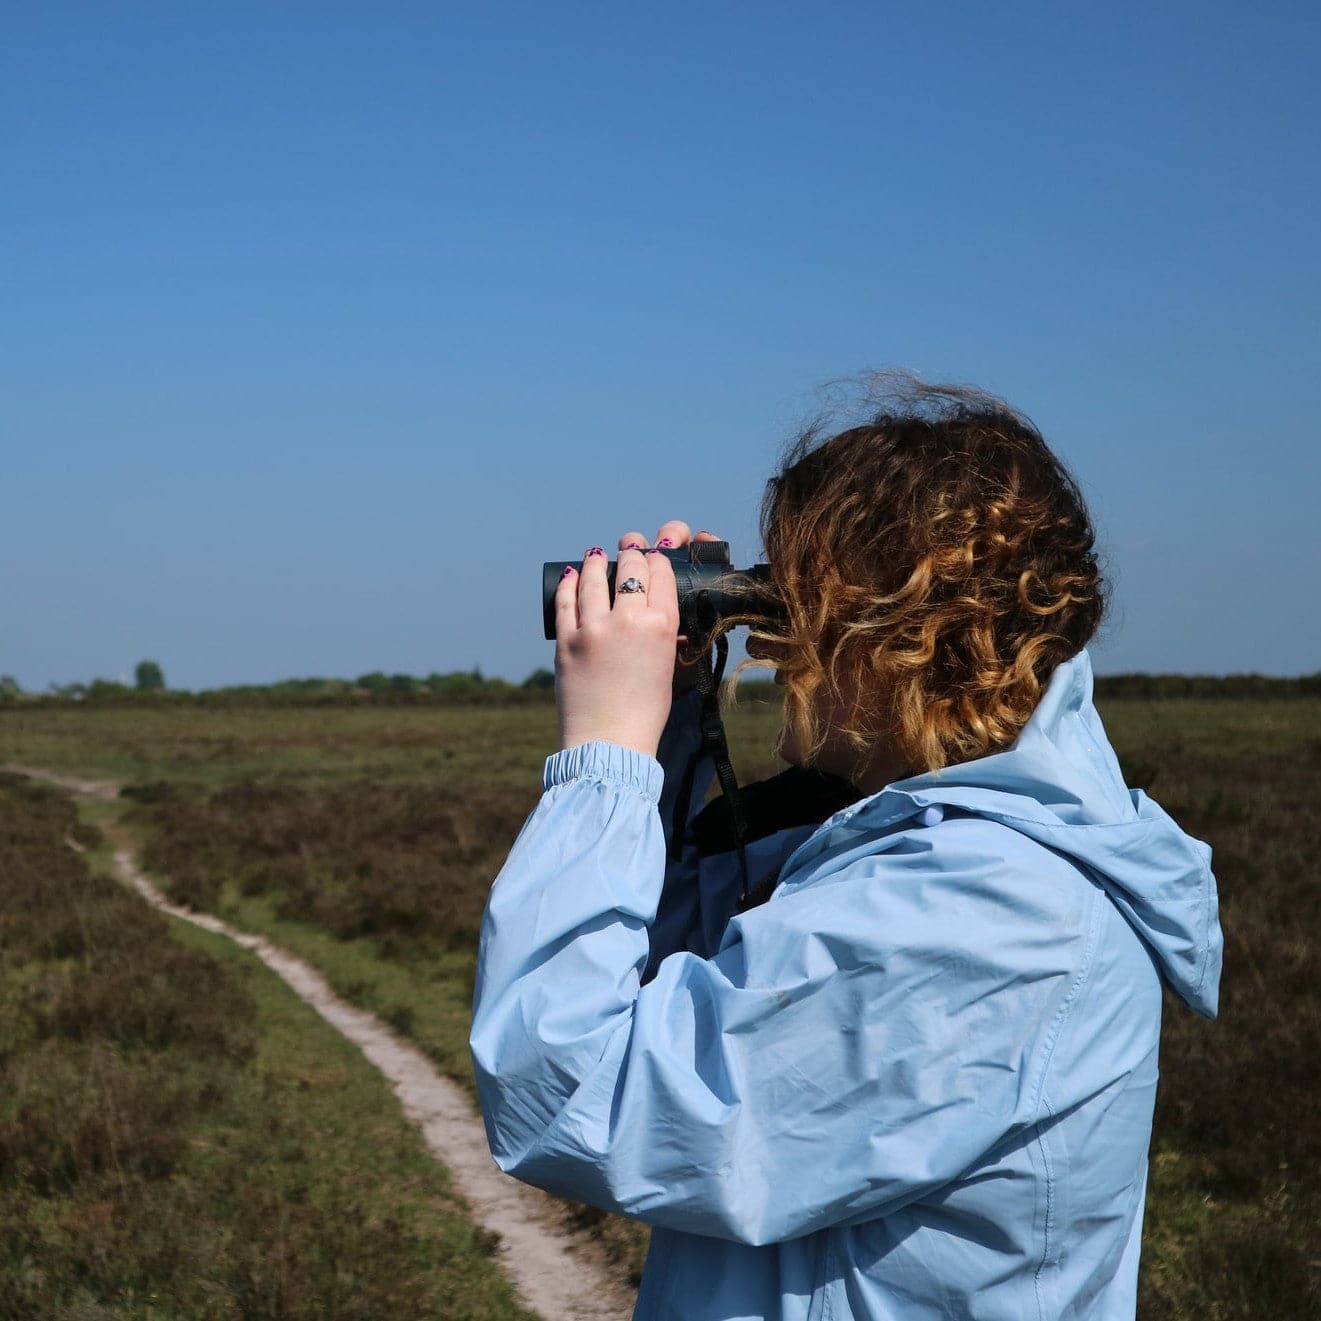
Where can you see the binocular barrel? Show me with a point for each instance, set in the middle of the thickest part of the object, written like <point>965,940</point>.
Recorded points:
<point>699,567</point>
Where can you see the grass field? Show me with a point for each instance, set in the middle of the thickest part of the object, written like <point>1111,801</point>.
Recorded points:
<point>365,839</point>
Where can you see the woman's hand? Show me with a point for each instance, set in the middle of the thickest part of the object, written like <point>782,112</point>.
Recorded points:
<point>615,666</point>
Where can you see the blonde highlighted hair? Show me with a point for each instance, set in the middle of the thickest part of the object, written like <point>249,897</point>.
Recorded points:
<point>934,564</point>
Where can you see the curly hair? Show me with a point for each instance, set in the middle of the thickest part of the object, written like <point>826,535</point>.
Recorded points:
<point>937,559</point>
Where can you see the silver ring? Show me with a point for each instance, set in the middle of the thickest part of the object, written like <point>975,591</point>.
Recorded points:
<point>630,585</point>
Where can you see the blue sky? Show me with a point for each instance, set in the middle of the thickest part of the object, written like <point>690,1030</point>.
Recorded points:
<point>324,324</point>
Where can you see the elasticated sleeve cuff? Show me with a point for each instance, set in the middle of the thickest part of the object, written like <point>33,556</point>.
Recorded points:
<point>606,761</point>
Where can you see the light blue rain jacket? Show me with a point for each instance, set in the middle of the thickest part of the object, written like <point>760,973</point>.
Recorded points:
<point>917,1083</point>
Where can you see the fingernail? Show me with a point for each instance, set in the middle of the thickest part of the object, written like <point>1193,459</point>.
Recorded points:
<point>653,550</point>
<point>568,570</point>
<point>596,550</point>
<point>634,545</point>
<point>665,541</point>
<point>705,533</point>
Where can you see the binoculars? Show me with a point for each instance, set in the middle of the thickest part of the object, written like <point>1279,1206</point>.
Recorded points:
<point>709,588</point>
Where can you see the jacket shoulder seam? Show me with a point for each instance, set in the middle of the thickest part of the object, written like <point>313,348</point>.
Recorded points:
<point>1040,1100</point>
<point>1071,996</point>
<point>1208,891</point>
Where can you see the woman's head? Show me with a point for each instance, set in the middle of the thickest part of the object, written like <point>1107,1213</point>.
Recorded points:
<point>935,563</point>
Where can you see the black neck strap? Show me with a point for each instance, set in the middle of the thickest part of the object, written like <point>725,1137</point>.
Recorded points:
<point>698,622</point>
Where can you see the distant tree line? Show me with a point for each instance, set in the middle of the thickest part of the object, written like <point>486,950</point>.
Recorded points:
<point>472,687</point>
<point>455,686</point>
<point>1229,687</point>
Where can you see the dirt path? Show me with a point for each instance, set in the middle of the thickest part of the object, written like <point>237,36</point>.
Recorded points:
<point>559,1274</point>
<point>104,790</point>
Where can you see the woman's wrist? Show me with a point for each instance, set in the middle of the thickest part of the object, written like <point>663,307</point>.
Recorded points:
<point>602,759</point>
<point>638,741</point>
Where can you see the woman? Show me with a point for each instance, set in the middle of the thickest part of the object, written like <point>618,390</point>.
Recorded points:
<point>918,1080</point>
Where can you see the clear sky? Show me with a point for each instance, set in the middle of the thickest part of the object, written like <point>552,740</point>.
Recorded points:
<point>321,325</point>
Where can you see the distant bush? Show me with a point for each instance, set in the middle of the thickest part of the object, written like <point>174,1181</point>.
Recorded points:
<point>68,692</point>
<point>106,690</point>
<point>462,684</point>
<point>287,692</point>
<point>148,677</point>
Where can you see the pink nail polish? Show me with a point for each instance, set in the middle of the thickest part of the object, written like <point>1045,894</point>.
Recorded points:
<point>596,550</point>
<point>568,570</point>
<point>665,541</point>
<point>634,545</point>
<point>655,550</point>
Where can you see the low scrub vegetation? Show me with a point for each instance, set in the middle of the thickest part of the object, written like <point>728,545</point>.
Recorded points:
<point>1235,1198</point>
<point>407,864</point>
<point>179,1138</point>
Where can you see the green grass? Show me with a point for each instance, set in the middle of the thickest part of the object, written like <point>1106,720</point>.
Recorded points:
<point>449,744</point>
<point>1218,729</point>
<point>210,747</point>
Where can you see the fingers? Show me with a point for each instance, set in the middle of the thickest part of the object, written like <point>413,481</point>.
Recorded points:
<point>632,564</point>
<point>674,533</point>
<point>583,598</point>
<point>662,594</point>
<point>593,588</point>
<point>566,603</point>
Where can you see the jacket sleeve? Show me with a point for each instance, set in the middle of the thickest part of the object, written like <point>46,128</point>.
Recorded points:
<point>853,1044</point>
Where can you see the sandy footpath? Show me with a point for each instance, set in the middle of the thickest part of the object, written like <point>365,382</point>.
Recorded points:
<point>559,1274</point>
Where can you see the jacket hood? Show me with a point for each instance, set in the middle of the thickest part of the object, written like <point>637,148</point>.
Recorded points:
<point>1060,784</point>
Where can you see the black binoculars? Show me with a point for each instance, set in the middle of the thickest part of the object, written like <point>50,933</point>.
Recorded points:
<point>709,589</point>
